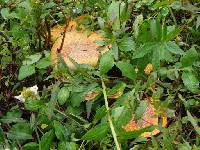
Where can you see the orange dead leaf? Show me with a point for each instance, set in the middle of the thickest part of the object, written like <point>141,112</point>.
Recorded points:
<point>149,118</point>
<point>90,95</point>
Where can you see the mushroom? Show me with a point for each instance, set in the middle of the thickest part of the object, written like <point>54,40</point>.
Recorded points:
<point>78,45</point>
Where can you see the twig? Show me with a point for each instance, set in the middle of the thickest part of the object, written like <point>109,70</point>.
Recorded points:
<point>109,116</point>
<point>172,14</point>
<point>48,38</point>
<point>66,24</point>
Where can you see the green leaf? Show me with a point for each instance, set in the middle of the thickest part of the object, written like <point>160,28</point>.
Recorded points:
<point>43,63</point>
<point>190,81</point>
<point>12,116</point>
<point>20,131</point>
<point>127,44</point>
<point>33,105</point>
<point>173,48</point>
<point>189,58</point>
<point>157,54</point>
<point>26,71</point>
<point>5,13</point>
<point>193,122</point>
<point>61,132</point>
<point>96,133</point>
<point>47,140</point>
<point>141,109</point>
<point>76,99</point>
<point>32,59</point>
<point>173,34</point>
<point>137,22</point>
<point>156,30</point>
<point>122,115</point>
<point>106,62</point>
<point>100,113</point>
<point>67,146</point>
<point>116,91</point>
<point>115,50</point>
<point>127,69</point>
<point>143,50</point>
<point>63,95</point>
<point>31,146</point>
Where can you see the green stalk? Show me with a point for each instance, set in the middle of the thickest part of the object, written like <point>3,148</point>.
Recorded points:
<point>109,116</point>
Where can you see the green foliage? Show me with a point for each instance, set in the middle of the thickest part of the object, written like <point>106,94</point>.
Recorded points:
<point>70,112</point>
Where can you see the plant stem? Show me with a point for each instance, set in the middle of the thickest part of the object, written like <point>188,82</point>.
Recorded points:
<point>109,116</point>
<point>172,14</point>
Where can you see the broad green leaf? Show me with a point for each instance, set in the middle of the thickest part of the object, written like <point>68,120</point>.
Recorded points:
<point>156,30</point>
<point>173,48</point>
<point>67,146</point>
<point>33,105</point>
<point>63,95</point>
<point>189,58</point>
<point>20,131</point>
<point>12,116</point>
<point>100,113</point>
<point>47,140</point>
<point>76,99</point>
<point>43,63</point>
<point>173,34</point>
<point>127,69</point>
<point>185,146</point>
<point>141,109</point>
<point>26,71</point>
<point>31,146</point>
<point>5,13</point>
<point>190,81</point>
<point>114,12</point>
<point>61,132</point>
<point>193,122</point>
<point>106,62</point>
<point>53,100</point>
<point>96,133</point>
<point>32,59</point>
<point>127,44</point>
<point>143,50</point>
<point>157,54</point>
<point>122,115</point>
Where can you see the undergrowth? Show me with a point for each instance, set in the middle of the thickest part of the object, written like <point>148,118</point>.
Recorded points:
<point>154,55</point>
